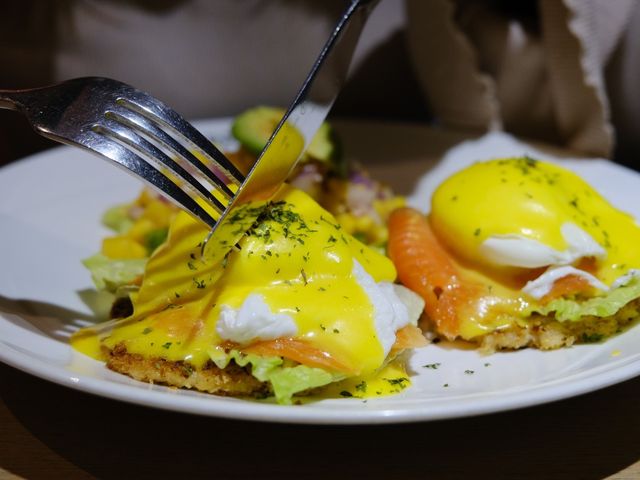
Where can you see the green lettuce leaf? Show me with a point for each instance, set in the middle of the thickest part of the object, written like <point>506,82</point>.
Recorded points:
<point>111,275</point>
<point>286,381</point>
<point>602,306</point>
<point>117,219</point>
<point>260,366</point>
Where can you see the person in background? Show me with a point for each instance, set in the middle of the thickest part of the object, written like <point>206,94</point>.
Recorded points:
<point>204,58</point>
<point>559,71</point>
<point>556,71</point>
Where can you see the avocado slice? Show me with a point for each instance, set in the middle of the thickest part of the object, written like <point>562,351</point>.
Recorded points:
<point>253,128</point>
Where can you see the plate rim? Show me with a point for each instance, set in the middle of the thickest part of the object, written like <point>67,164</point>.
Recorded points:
<point>157,396</point>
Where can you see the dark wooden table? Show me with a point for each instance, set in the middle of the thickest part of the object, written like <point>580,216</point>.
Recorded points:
<point>49,431</point>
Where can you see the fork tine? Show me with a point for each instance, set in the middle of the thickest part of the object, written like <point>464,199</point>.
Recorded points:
<point>158,112</point>
<point>132,151</point>
<point>136,121</point>
<point>126,158</point>
<point>149,151</point>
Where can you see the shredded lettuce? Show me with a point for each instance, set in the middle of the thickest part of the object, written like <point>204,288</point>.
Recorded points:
<point>99,301</point>
<point>108,274</point>
<point>117,219</point>
<point>286,381</point>
<point>260,366</point>
<point>602,306</point>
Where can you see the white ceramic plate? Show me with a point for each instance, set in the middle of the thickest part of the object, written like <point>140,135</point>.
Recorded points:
<point>50,205</point>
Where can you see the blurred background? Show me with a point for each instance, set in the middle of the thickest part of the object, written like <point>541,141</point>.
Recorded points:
<point>559,72</point>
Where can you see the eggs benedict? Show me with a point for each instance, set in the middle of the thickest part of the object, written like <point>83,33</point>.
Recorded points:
<point>299,305</point>
<point>517,252</point>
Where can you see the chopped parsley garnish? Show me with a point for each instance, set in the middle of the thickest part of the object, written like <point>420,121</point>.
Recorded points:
<point>147,331</point>
<point>167,345</point>
<point>345,393</point>
<point>277,217</point>
<point>432,366</point>
<point>225,260</point>
<point>397,381</point>
<point>525,164</point>
<point>334,225</point>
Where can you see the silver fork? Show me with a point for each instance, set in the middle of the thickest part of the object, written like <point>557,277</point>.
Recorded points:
<point>134,130</point>
<point>152,141</point>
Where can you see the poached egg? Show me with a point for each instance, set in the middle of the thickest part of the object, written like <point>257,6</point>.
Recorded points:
<point>295,274</point>
<point>517,225</point>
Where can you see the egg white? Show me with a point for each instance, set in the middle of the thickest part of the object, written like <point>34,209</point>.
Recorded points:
<point>542,285</point>
<point>516,250</point>
<point>393,307</point>
<point>253,321</point>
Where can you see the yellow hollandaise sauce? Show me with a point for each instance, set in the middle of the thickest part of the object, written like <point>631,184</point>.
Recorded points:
<point>389,380</point>
<point>532,199</point>
<point>297,258</point>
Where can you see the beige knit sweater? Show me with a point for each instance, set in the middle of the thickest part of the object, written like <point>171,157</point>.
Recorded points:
<point>482,71</point>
